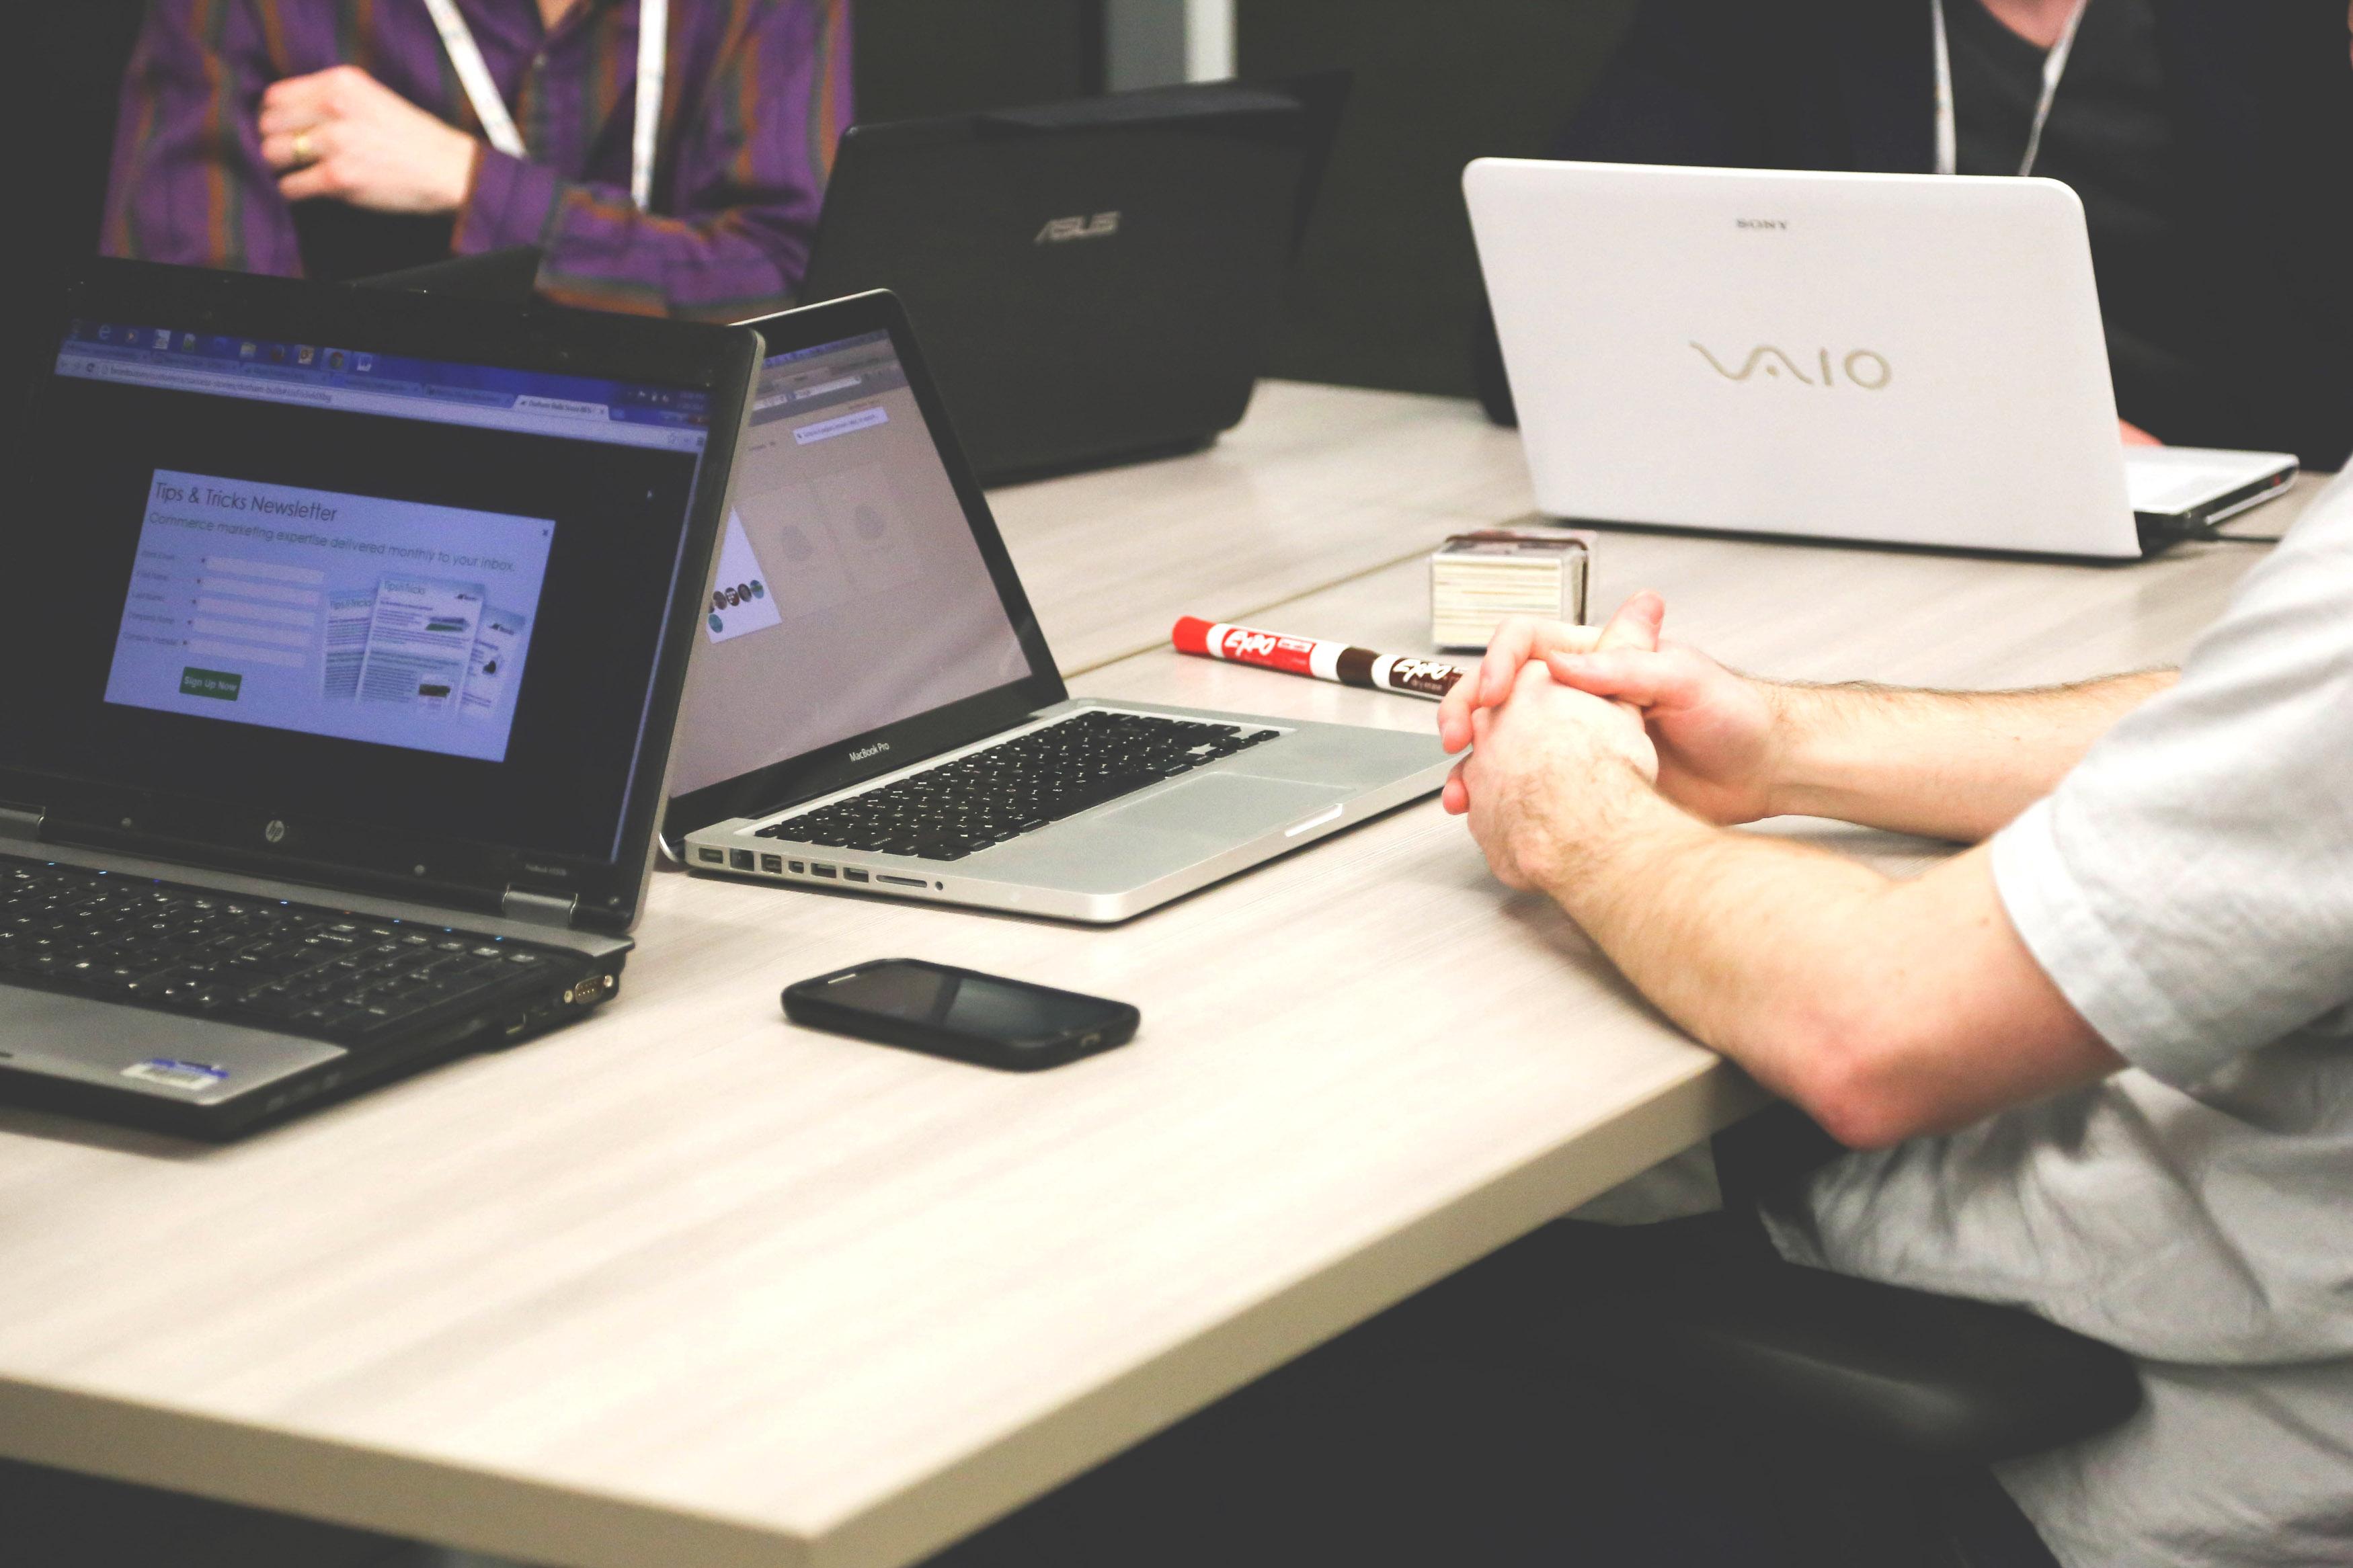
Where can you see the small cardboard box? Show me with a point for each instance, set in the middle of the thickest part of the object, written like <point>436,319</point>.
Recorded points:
<point>1478,579</point>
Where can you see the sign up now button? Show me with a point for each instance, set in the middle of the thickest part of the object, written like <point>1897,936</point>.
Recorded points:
<point>215,683</point>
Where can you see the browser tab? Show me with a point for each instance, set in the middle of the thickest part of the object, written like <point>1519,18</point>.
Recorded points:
<point>564,408</point>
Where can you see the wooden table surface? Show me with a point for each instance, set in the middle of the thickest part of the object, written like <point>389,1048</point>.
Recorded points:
<point>685,1286</point>
<point>1320,484</point>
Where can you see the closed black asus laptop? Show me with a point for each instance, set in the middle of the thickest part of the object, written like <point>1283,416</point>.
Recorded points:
<point>510,276</point>
<point>1095,281</point>
<point>345,633</point>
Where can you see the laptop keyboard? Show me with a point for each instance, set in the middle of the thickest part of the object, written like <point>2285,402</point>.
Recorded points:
<point>1019,785</point>
<point>291,967</point>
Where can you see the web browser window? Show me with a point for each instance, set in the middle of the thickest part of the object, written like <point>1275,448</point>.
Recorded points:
<point>850,593</point>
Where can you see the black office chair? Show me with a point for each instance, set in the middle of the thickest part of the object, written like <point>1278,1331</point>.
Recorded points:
<point>1848,1422</point>
<point>1877,1407</point>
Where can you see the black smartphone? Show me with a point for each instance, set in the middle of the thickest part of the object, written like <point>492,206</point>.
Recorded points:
<point>962,1014</point>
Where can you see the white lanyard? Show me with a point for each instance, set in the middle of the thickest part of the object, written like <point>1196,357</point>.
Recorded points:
<point>2054,68</point>
<point>474,76</point>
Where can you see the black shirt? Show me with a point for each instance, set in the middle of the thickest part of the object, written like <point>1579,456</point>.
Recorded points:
<point>2111,137</point>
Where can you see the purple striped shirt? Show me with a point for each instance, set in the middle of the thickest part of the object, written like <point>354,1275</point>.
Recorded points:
<point>756,96</point>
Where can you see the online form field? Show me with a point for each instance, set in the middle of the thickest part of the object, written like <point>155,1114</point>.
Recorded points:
<point>269,614</point>
<point>270,569</point>
<point>280,637</point>
<point>207,648</point>
<point>252,590</point>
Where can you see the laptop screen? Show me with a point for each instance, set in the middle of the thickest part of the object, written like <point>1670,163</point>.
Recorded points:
<point>850,593</point>
<point>418,596</point>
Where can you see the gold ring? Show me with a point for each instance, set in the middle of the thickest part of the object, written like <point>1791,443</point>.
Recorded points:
<point>302,153</point>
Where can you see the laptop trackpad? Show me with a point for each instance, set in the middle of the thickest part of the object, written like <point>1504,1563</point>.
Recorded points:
<point>1228,809</point>
<point>1176,827</point>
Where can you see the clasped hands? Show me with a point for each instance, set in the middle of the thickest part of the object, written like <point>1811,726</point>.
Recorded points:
<point>1564,720</point>
<point>343,134</point>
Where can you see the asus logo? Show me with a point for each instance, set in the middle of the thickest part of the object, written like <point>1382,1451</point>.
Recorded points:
<point>1863,368</point>
<point>1763,223</point>
<point>876,750</point>
<point>1062,230</point>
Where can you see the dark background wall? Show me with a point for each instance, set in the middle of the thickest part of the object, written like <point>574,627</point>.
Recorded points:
<point>917,58</point>
<point>62,126</point>
<point>1387,284</point>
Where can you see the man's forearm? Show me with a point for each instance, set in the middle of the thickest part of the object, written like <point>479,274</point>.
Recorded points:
<point>1949,765</point>
<point>1883,1008</point>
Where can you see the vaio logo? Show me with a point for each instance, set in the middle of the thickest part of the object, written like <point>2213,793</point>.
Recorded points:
<point>1863,368</point>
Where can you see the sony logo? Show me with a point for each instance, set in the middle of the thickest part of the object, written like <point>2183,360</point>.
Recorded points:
<point>1062,230</point>
<point>1765,223</point>
<point>1864,368</point>
<point>876,750</point>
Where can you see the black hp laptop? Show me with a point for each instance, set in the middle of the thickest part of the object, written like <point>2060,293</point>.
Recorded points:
<point>1095,281</point>
<point>349,631</point>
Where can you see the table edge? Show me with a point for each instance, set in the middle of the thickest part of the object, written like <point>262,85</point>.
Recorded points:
<point>450,1503</point>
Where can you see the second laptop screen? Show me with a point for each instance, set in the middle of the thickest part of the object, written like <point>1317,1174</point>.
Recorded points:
<point>850,593</point>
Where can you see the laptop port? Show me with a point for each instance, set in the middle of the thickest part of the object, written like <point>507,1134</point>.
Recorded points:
<point>799,870</point>
<point>588,990</point>
<point>854,875</point>
<point>825,870</point>
<point>774,865</point>
<point>739,859</point>
<point>713,856</point>
<point>899,882</point>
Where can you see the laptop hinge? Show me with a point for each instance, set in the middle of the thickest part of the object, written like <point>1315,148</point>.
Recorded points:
<point>539,908</point>
<point>21,822</point>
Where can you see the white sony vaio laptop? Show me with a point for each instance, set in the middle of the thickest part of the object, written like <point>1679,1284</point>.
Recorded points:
<point>1897,358</point>
<point>872,708</point>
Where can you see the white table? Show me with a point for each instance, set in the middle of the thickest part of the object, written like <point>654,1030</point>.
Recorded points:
<point>685,1286</point>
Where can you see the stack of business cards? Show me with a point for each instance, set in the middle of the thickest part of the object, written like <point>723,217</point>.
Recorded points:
<point>1477,580</point>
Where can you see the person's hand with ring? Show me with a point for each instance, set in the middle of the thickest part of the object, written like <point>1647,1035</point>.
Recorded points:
<point>342,133</point>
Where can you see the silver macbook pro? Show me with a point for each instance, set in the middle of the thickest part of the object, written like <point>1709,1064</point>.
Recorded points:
<point>872,707</point>
<point>1915,359</point>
